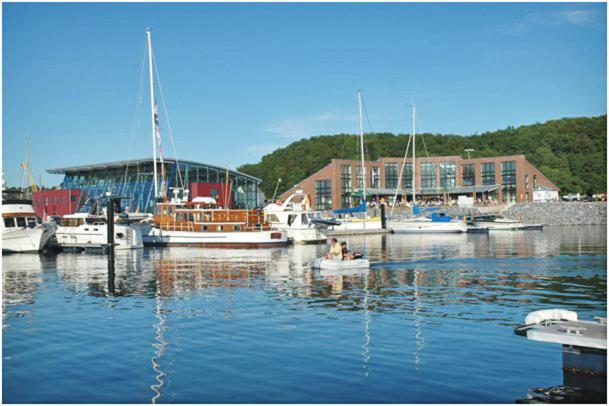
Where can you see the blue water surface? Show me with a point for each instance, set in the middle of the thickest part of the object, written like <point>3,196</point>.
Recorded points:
<point>431,322</point>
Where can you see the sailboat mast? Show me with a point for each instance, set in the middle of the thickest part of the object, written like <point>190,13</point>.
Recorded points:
<point>154,169</point>
<point>414,166</point>
<point>361,143</point>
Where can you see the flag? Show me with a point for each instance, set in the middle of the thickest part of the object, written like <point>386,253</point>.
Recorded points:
<point>157,132</point>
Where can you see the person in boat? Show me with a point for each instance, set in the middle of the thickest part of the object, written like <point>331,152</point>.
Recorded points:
<point>349,255</point>
<point>345,250</point>
<point>335,252</point>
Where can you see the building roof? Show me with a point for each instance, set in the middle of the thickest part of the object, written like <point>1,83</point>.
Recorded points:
<point>122,164</point>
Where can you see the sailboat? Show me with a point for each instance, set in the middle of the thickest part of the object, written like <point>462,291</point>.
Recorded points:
<point>199,222</point>
<point>356,225</point>
<point>437,222</point>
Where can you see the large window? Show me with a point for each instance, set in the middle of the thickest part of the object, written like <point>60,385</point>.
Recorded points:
<point>488,173</point>
<point>375,177</point>
<point>526,185</point>
<point>428,175</point>
<point>508,181</point>
<point>323,194</point>
<point>345,179</point>
<point>360,178</point>
<point>407,176</point>
<point>448,174</point>
<point>391,175</point>
<point>469,175</point>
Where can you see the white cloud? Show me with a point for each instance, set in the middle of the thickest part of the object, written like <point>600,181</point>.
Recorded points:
<point>553,18</point>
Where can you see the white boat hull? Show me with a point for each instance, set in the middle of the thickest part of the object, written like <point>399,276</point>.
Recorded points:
<point>233,239</point>
<point>337,265</point>
<point>420,227</point>
<point>356,227</point>
<point>305,235</point>
<point>125,237</point>
<point>26,239</point>
<point>495,225</point>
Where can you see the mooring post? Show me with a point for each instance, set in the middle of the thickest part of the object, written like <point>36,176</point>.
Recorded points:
<point>383,218</point>
<point>110,223</point>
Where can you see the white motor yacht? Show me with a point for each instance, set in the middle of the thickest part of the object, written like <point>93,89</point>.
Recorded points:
<point>82,230</point>
<point>294,216</point>
<point>22,229</point>
<point>496,222</point>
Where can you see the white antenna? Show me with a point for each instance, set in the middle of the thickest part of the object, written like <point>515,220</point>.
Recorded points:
<point>414,166</point>
<point>363,169</point>
<point>149,41</point>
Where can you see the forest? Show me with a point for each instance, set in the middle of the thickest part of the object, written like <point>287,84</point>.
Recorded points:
<point>571,152</point>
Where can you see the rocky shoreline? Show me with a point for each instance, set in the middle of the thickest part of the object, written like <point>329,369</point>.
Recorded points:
<point>559,213</point>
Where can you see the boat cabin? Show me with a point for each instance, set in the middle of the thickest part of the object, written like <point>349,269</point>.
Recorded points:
<point>19,214</point>
<point>197,216</point>
<point>79,219</point>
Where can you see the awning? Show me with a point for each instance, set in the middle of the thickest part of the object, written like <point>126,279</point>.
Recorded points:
<point>456,190</point>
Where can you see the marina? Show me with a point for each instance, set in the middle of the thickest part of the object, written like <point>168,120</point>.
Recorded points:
<point>283,239</point>
<point>181,325</point>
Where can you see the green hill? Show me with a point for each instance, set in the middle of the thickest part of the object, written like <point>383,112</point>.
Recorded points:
<point>571,152</point>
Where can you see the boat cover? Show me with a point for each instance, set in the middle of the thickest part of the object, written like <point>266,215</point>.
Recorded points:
<point>357,209</point>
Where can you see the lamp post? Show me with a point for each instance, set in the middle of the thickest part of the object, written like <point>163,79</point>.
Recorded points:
<point>468,150</point>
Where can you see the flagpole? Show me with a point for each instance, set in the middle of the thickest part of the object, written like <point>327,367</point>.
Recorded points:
<point>154,169</point>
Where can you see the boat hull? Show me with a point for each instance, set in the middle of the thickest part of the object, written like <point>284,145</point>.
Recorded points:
<point>306,235</point>
<point>499,226</point>
<point>337,265</point>
<point>357,227</point>
<point>84,236</point>
<point>422,227</point>
<point>26,239</point>
<point>233,239</point>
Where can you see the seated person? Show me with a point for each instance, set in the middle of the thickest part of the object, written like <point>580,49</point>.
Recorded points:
<point>335,252</point>
<point>346,254</point>
<point>349,255</point>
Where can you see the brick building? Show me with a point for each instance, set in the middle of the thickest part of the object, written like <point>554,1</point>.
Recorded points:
<point>504,179</point>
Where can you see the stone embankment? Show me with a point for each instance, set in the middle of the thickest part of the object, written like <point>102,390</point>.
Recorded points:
<point>559,213</point>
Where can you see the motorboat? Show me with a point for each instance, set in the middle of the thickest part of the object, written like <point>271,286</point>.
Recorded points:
<point>584,342</point>
<point>436,223</point>
<point>200,222</point>
<point>497,222</point>
<point>22,229</point>
<point>338,265</point>
<point>356,225</point>
<point>295,217</point>
<point>85,230</point>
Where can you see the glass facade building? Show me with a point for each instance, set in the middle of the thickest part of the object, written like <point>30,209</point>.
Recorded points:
<point>133,182</point>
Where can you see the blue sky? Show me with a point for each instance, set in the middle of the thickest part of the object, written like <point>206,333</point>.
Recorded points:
<point>243,79</point>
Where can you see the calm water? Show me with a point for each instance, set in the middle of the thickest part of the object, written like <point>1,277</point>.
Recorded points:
<point>192,325</point>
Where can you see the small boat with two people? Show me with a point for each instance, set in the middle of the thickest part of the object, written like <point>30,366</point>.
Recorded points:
<point>339,258</point>
<point>22,229</point>
<point>496,222</point>
<point>295,217</point>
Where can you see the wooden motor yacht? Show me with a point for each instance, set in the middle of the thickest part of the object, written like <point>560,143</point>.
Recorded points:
<point>200,222</point>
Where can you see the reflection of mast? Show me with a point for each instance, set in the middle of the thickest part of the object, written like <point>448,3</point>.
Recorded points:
<point>366,345</point>
<point>160,346</point>
<point>419,340</point>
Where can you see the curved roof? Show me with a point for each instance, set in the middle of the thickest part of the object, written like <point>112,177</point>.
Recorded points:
<point>122,164</point>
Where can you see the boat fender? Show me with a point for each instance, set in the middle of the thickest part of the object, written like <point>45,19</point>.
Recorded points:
<point>543,316</point>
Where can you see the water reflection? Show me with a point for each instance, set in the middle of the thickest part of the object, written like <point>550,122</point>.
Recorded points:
<point>399,322</point>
